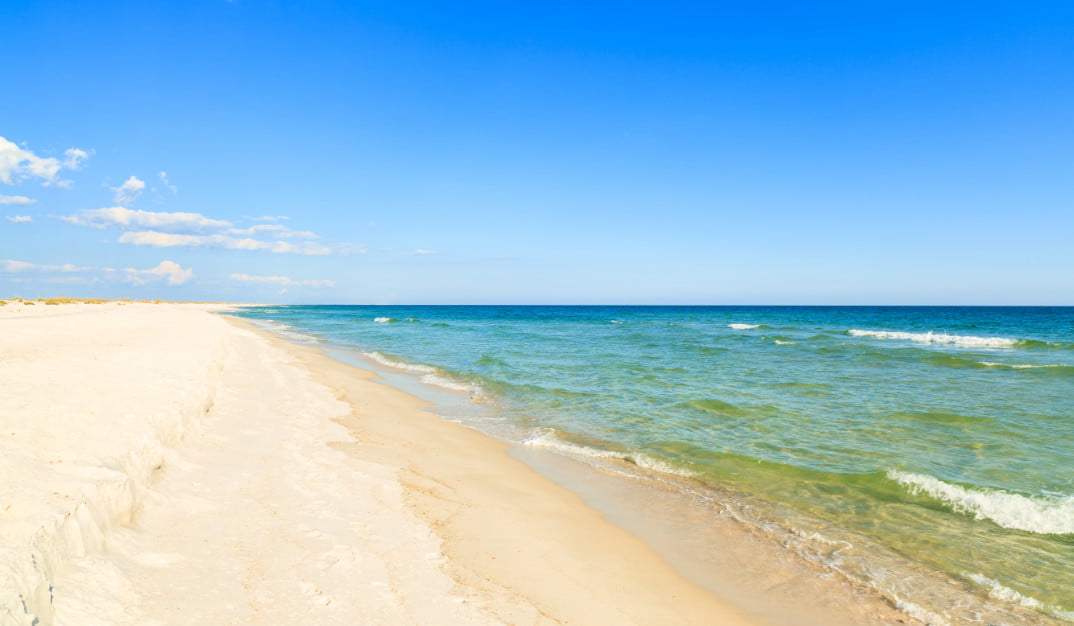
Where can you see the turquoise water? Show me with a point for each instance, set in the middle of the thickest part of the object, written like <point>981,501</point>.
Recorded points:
<point>942,435</point>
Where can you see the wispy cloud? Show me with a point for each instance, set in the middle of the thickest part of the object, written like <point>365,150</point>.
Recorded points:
<point>122,217</point>
<point>19,200</point>
<point>172,240</point>
<point>20,219</point>
<point>163,176</point>
<point>275,230</point>
<point>129,191</point>
<point>17,164</point>
<point>73,158</point>
<point>419,252</point>
<point>194,230</point>
<point>10,266</point>
<point>166,271</point>
<point>282,281</point>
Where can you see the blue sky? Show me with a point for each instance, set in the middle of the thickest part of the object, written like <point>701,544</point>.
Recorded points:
<point>551,152</point>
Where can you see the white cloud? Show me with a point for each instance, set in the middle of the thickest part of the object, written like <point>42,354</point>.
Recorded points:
<point>129,191</point>
<point>20,219</point>
<point>121,217</point>
<point>166,270</point>
<point>282,281</point>
<point>17,164</point>
<point>164,180</point>
<point>419,252</point>
<point>73,158</point>
<point>193,230</point>
<point>16,200</point>
<point>171,240</point>
<point>11,267</point>
<point>275,230</point>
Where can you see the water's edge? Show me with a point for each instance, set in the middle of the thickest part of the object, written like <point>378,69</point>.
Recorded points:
<point>729,543</point>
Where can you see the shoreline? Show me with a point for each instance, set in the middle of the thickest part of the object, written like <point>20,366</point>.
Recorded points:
<point>508,532</point>
<point>174,463</point>
<point>700,531</point>
<point>725,559</point>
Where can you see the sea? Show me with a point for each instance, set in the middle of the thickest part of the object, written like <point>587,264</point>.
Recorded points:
<point>893,446</point>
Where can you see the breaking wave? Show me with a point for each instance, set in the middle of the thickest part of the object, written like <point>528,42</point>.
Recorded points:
<point>429,375</point>
<point>944,338</point>
<point>1054,367</point>
<point>997,591</point>
<point>546,438</point>
<point>1046,515</point>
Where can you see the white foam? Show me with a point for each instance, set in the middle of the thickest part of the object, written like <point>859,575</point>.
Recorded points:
<point>430,375</point>
<point>401,365</point>
<point>274,325</point>
<point>1019,366</point>
<point>545,438</point>
<point>448,383</point>
<point>784,343</point>
<point>383,320</point>
<point>997,591</point>
<point>931,337</point>
<point>915,611</point>
<point>285,330</point>
<point>742,326</point>
<point>1046,515</point>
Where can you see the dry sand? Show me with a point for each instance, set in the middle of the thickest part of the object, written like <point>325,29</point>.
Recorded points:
<point>162,465</point>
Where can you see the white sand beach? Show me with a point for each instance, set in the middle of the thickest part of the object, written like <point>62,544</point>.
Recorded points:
<point>163,465</point>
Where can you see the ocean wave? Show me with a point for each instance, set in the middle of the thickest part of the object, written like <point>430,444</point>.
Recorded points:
<point>950,360</point>
<point>286,330</point>
<point>931,337</point>
<point>547,439</point>
<point>712,405</point>
<point>997,591</point>
<point>743,326</point>
<point>384,320</point>
<point>274,325</point>
<point>915,611</point>
<point>452,384</point>
<point>784,343</point>
<point>1026,366</point>
<point>1046,515</point>
<point>429,375</point>
<point>413,368</point>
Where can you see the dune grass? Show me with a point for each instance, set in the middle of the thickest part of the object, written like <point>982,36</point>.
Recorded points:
<point>56,301</point>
